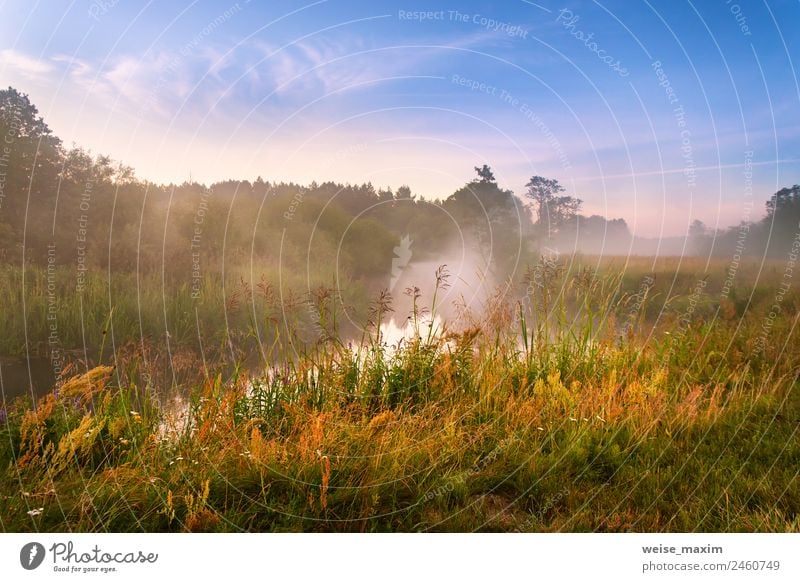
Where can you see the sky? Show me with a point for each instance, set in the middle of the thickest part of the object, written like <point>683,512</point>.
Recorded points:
<point>658,112</point>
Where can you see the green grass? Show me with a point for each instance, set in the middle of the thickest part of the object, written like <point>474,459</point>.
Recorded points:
<point>580,408</point>
<point>238,311</point>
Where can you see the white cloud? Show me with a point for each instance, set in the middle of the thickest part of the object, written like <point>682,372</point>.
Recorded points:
<point>135,84</point>
<point>79,70</point>
<point>28,67</point>
<point>329,65</point>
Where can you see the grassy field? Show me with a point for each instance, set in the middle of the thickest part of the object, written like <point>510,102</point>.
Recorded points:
<point>613,395</point>
<point>111,310</point>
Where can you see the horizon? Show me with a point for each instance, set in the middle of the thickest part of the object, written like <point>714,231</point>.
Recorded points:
<point>687,116</point>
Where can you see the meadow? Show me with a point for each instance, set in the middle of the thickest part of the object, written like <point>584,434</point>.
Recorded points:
<point>617,394</point>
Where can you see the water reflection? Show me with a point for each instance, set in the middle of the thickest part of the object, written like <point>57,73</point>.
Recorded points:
<point>32,377</point>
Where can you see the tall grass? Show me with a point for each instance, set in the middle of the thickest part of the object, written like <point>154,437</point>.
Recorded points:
<point>240,311</point>
<point>565,408</point>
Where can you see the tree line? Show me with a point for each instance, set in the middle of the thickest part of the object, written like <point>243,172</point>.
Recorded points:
<point>59,203</point>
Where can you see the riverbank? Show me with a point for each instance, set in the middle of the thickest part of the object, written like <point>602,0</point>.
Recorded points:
<point>512,421</point>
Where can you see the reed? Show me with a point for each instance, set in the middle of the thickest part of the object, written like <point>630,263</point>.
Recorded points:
<point>591,403</point>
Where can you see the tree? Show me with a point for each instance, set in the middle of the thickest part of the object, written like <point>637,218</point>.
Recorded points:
<point>20,118</point>
<point>782,220</point>
<point>492,218</point>
<point>784,205</point>
<point>260,188</point>
<point>552,211</point>
<point>404,193</point>
<point>31,160</point>
<point>699,239</point>
<point>485,174</point>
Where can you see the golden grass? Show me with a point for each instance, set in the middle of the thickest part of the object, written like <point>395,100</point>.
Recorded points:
<point>568,428</point>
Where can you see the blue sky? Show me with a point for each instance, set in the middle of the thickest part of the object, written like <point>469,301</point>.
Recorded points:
<point>657,112</point>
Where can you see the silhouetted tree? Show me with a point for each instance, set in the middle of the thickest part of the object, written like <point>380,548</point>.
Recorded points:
<point>782,221</point>
<point>485,173</point>
<point>404,193</point>
<point>785,202</point>
<point>699,238</point>
<point>552,211</point>
<point>30,159</point>
<point>493,217</point>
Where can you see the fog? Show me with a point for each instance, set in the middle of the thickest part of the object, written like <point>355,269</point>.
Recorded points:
<point>223,270</point>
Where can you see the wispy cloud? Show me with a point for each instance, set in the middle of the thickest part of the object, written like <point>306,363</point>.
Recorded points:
<point>28,67</point>
<point>327,65</point>
<point>139,84</point>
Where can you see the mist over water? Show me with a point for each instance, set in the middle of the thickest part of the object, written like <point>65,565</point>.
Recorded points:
<point>467,284</point>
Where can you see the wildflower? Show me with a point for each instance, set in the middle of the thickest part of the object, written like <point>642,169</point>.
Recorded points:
<point>35,512</point>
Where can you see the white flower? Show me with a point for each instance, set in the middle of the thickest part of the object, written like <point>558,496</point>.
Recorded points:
<point>35,512</point>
